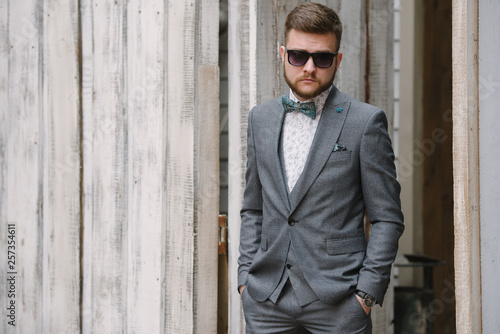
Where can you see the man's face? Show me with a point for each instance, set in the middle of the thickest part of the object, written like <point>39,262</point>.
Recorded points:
<point>309,81</point>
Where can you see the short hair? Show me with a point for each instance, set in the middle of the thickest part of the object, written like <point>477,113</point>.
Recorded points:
<point>314,18</point>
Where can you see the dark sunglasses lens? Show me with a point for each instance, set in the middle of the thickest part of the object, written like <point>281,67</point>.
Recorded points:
<point>323,60</point>
<point>297,58</point>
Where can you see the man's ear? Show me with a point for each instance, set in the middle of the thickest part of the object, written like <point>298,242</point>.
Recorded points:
<point>339,59</point>
<point>282,53</point>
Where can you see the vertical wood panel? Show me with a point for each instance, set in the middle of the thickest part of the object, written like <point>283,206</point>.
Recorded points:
<point>237,110</point>
<point>4,137</point>
<point>21,163</point>
<point>105,167</point>
<point>264,58</point>
<point>180,216</point>
<point>465,163</point>
<point>145,158</point>
<point>351,74</point>
<point>207,200</point>
<point>381,66</point>
<point>207,166</point>
<point>61,172</point>
<point>192,111</point>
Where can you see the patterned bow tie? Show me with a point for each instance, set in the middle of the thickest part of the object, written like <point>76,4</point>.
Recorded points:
<point>308,108</point>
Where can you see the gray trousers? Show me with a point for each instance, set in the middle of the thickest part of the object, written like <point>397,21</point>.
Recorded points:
<point>287,316</point>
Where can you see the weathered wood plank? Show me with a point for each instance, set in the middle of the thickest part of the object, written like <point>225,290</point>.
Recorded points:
<point>145,158</point>
<point>381,65</point>
<point>180,174</point>
<point>237,109</point>
<point>21,165</point>
<point>351,74</point>
<point>207,166</point>
<point>264,56</point>
<point>104,168</point>
<point>207,200</point>
<point>466,169</point>
<point>61,168</point>
<point>4,172</point>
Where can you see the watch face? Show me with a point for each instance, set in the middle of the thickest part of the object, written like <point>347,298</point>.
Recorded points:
<point>369,301</point>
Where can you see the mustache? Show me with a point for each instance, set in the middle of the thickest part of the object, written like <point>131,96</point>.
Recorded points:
<point>310,76</point>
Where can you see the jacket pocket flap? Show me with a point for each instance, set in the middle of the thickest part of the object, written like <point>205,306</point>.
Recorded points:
<point>346,245</point>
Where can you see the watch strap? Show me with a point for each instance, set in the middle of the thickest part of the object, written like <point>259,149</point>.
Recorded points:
<point>360,293</point>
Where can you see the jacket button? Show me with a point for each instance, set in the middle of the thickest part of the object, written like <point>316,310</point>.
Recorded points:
<point>288,266</point>
<point>291,222</point>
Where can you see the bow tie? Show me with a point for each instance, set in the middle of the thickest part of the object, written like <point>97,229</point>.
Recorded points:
<point>307,108</point>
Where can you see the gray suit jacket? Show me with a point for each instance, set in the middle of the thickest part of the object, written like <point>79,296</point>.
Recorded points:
<point>322,217</point>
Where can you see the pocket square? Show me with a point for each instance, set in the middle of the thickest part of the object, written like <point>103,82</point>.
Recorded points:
<point>339,147</point>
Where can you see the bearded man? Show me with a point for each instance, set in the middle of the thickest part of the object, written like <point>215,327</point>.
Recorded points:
<point>317,161</point>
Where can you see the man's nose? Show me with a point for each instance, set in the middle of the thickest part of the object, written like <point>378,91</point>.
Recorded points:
<point>309,66</point>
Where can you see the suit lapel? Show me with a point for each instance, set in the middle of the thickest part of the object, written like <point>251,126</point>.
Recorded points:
<point>275,140</point>
<point>327,134</point>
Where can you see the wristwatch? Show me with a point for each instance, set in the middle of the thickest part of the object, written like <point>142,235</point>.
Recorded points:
<point>368,300</point>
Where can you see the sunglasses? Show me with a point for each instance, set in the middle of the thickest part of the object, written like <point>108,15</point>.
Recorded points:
<point>320,59</point>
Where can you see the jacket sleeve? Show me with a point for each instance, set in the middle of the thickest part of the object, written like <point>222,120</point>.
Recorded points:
<point>381,192</point>
<point>251,212</point>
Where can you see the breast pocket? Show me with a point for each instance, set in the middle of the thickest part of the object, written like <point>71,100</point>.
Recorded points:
<point>339,155</point>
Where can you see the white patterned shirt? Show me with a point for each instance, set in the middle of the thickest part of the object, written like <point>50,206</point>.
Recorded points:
<point>298,135</point>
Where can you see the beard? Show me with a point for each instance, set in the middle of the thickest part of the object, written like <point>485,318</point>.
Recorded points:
<point>305,94</point>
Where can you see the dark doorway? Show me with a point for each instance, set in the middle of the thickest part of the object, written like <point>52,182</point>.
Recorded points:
<point>437,218</point>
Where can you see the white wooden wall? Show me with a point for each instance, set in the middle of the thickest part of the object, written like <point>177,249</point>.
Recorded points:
<point>255,75</point>
<point>40,164</point>
<point>109,165</point>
